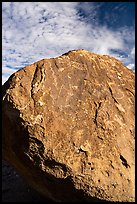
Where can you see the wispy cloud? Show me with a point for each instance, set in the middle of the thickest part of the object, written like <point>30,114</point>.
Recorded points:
<point>35,30</point>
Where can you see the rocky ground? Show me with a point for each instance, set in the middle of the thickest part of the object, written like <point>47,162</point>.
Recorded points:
<point>14,188</point>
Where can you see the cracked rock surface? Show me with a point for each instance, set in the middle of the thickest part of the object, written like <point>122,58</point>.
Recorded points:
<point>68,127</point>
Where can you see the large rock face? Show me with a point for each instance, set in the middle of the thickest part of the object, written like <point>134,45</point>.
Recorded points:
<point>68,127</point>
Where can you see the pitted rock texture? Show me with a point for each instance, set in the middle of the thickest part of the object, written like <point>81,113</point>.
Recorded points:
<point>68,127</point>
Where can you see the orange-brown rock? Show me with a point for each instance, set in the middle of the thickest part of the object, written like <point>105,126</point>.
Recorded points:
<point>68,127</point>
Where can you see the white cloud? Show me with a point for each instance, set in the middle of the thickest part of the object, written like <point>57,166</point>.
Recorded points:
<point>8,70</point>
<point>35,30</point>
<point>4,79</point>
<point>133,51</point>
<point>131,66</point>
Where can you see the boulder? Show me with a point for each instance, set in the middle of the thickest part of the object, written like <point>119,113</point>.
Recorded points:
<point>68,127</point>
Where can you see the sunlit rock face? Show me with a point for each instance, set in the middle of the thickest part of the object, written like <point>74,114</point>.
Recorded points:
<point>68,127</point>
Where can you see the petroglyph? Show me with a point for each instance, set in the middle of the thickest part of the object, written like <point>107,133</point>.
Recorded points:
<point>54,75</point>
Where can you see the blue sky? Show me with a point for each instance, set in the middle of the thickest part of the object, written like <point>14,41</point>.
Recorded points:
<point>32,31</point>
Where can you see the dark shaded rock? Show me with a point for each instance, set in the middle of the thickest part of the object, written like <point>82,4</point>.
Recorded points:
<point>15,189</point>
<point>68,127</point>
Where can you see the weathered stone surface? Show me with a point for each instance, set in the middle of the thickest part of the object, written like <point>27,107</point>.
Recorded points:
<point>68,127</point>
